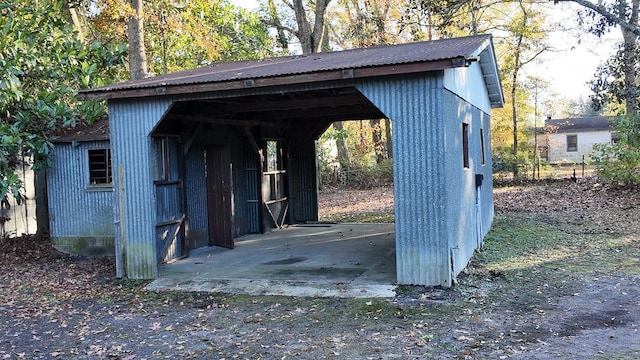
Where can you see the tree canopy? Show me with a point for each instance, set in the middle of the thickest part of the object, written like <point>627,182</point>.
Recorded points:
<point>43,64</point>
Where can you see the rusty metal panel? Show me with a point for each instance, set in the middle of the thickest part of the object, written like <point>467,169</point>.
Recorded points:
<point>130,125</point>
<point>415,106</point>
<point>77,209</point>
<point>428,51</point>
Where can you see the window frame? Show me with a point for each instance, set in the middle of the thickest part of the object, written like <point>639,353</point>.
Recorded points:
<point>105,180</point>
<point>571,148</point>
<point>465,145</point>
<point>482,148</point>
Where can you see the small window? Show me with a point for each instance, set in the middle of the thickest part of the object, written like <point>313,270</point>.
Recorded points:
<point>465,145</point>
<point>166,160</point>
<point>615,138</point>
<point>274,156</point>
<point>100,167</point>
<point>484,159</point>
<point>572,143</point>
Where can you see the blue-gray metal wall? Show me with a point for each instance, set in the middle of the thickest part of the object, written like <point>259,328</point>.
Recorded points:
<point>130,124</point>
<point>415,106</point>
<point>435,230</point>
<point>303,183</point>
<point>435,196</point>
<point>469,208</point>
<point>76,209</point>
<point>195,184</point>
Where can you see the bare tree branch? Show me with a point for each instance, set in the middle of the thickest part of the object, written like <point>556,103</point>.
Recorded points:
<point>601,10</point>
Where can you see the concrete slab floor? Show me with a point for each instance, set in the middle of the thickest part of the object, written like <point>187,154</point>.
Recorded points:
<point>319,260</point>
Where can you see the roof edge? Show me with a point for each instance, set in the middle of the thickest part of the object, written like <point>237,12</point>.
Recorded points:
<point>331,75</point>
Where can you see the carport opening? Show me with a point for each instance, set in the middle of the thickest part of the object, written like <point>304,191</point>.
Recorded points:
<point>251,164</point>
<point>355,172</point>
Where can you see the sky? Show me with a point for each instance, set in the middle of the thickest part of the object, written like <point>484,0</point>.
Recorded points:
<point>576,63</point>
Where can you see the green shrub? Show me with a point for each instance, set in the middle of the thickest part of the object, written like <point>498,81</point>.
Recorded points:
<point>619,163</point>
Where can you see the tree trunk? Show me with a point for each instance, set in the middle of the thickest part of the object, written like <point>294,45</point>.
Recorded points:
<point>376,137</point>
<point>281,37</point>
<point>629,51</point>
<point>137,51</point>
<point>343,151</point>
<point>75,20</point>
<point>42,204</point>
<point>387,135</point>
<point>310,39</point>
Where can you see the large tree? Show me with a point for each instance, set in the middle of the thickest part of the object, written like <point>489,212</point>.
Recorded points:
<point>43,63</point>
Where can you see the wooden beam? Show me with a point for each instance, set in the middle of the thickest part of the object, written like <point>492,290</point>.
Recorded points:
<point>284,105</point>
<point>253,142</point>
<point>191,139</point>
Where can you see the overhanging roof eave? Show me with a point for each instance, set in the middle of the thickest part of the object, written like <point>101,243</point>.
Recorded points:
<point>161,89</point>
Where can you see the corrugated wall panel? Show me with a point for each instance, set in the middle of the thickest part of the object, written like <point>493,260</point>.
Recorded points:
<point>303,185</point>
<point>130,124</point>
<point>168,202</point>
<point>462,212</point>
<point>77,210</point>
<point>196,193</point>
<point>252,168</point>
<point>415,106</point>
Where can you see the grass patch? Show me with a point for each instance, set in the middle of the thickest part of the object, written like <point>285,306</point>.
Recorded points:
<point>530,243</point>
<point>521,241</point>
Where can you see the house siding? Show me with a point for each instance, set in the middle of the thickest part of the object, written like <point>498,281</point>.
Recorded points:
<point>557,143</point>
<point>80,215</point>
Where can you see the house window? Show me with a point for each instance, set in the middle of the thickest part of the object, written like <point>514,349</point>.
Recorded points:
<point>100,167</point>
<point>615,138</point>
<point>484,159</point>
<point>465,145</point>
<point>572,143</point>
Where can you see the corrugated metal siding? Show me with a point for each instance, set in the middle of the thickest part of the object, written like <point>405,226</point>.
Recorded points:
<point>462,214</point>
<point>130,125</point>
<point>469,209</point>
<point>196,193</point>
<point>75,209</point>
<point>252,167</point>
<point>415,107</point>
<point>303,177</point>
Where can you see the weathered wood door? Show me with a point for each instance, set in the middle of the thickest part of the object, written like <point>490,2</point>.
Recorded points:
<point>219,196</point>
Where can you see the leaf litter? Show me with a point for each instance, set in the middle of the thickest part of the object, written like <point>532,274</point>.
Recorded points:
<point>582,306</point>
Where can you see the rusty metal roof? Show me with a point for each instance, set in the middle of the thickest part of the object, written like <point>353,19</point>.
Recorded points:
<point>98,130</point>
<point>296,69</point>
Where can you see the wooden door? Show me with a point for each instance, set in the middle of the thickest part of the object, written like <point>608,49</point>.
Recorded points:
<point>219,196</point>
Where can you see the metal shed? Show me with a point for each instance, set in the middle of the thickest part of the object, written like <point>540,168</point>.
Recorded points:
<point>202,156</point>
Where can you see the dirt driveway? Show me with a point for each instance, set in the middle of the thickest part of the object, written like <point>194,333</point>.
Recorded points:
<point>559,278</point>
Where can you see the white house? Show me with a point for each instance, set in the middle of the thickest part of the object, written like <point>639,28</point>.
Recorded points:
<point>570,141</point>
